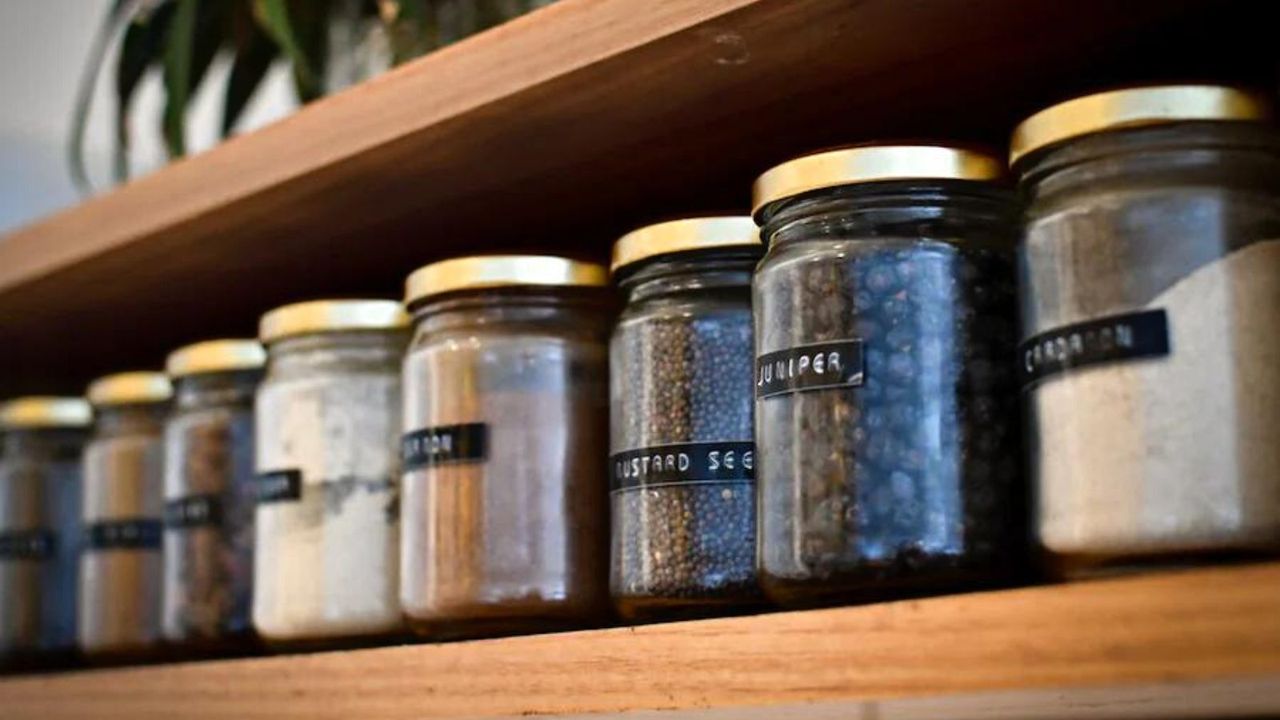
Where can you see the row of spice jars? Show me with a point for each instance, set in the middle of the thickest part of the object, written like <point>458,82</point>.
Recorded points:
<point>879,364</point>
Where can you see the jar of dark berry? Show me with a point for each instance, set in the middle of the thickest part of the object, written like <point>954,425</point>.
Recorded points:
<point>682,453</point>
<point>887,437</point>
<point>41,439</point>
<point>210,494</point>
<point>1150,305</point>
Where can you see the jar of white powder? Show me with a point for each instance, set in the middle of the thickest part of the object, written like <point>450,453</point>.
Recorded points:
<point>1151,304</point>
<point>506,417</point>
<point>327,422</point>
<point>120,564</point>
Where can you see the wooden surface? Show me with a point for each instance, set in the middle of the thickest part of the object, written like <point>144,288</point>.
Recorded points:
<point>1200,643</point>
<point>557,132</point>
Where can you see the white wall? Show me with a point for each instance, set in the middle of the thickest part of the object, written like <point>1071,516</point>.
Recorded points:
<point>43,48</point>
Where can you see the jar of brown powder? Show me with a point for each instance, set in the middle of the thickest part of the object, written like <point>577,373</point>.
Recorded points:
<point>504,515</point>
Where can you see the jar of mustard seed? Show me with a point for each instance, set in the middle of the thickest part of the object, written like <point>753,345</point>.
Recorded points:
<point>120,566</point>
<point>887,433</point>
<point>1151,300</point>
<point>210,495</point>
<point>41,439</point>
<point>682,462</point>
<point>327,424</point>
<point>506,422</point>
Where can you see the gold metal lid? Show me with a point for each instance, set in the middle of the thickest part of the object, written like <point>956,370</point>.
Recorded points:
<point>481,272</point>
<point>1134,107</point>
<point>215,356</point>
<point>321,316</point>
<point>872,163</point>
<point>130,388</point>
<point>685,235</point>
<point>45,412</point>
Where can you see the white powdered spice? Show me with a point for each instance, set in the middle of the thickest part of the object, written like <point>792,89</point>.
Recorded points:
<point>326,562</point>
<point>1176,453</point>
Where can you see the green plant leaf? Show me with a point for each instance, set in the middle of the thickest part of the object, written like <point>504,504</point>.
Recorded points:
<point>116,17</point>
<point>253,59</point>
<point>179,47</point>
<point>141,50</point>
<point>274,17</point>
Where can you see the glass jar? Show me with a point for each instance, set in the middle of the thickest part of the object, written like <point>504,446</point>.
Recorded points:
<point>1151,301</point>
<point>210,494</point>
<point>328,425</point>
<point>120,566</point>
<point>506,419</point>
<point>682,467</point>
<point>41,439</point>
<point>887,434</point>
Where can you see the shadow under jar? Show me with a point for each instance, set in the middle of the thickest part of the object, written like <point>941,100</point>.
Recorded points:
<point>327,422</point>
<point>506,417</point>
<point>120,566</point>
<point>887,434</point>
<point>682,486</point>
<point>1151,310</point>
<point>41,440</point>
<point>210,496</point>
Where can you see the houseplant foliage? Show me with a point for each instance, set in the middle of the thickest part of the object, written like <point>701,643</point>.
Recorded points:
<point>181,39</point>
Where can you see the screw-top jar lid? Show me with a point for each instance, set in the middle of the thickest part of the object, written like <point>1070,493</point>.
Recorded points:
<point>323,316</point>
<point>688,235</point>
<point>872,163</point>
<point>45,412</point>
<point>215,356</point>
<point>481,272</point>
<point>1134,107</point>
<point>130,388</point>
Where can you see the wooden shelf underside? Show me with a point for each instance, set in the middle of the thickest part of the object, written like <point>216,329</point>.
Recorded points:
<point>1193,644</point>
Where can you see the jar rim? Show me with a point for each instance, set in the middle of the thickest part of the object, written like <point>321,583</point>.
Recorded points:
<point>321,316</point>
<point>45,411</point>
<point>212,356</point>
<point>487,272</point>
<point>137,387</point>
<point>864,164</point>
<point>687,235</point>
<point>1134,107</point>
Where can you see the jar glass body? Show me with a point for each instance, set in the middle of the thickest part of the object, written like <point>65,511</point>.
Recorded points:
<point>887,430</point>
<point>683,538</point>
<point>120,567</point>
<point>1151,275</point>
<point>505,412</point>
<point>326,534</point>
<point>210,498</point>
<point>39,542</point>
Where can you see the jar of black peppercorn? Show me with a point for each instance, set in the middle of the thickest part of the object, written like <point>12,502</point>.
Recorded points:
<point>683,462</point>
<point>41,439</point>
<point>210,494</point>
<point>886,414</point>
<point>120,564</point>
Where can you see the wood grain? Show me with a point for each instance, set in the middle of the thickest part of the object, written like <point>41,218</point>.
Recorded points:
<point>556,132</point>
<point>1157,641</point>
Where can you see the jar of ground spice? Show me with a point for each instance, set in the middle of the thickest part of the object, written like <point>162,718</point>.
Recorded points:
<point>210,494</point>
<point>886,414</point>
<point>41,439</point>
<point>120,566</point>
<point>506,416</point>
<point>327,437</point>
<point>683,461</point>
<point>1151,302</point>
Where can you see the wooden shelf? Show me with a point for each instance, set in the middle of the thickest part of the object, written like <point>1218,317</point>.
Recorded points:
<point>557,132</point>
<point>1193,644</point>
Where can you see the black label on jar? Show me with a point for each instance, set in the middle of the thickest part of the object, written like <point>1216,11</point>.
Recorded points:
<point>1119,337</point>
<point>683,463</point>
<point>27,545</point>
<point>280,486</point>
<point>809,367</point>
<point>135,534</point>
<point>444,444</point>
<point>194,511</point>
